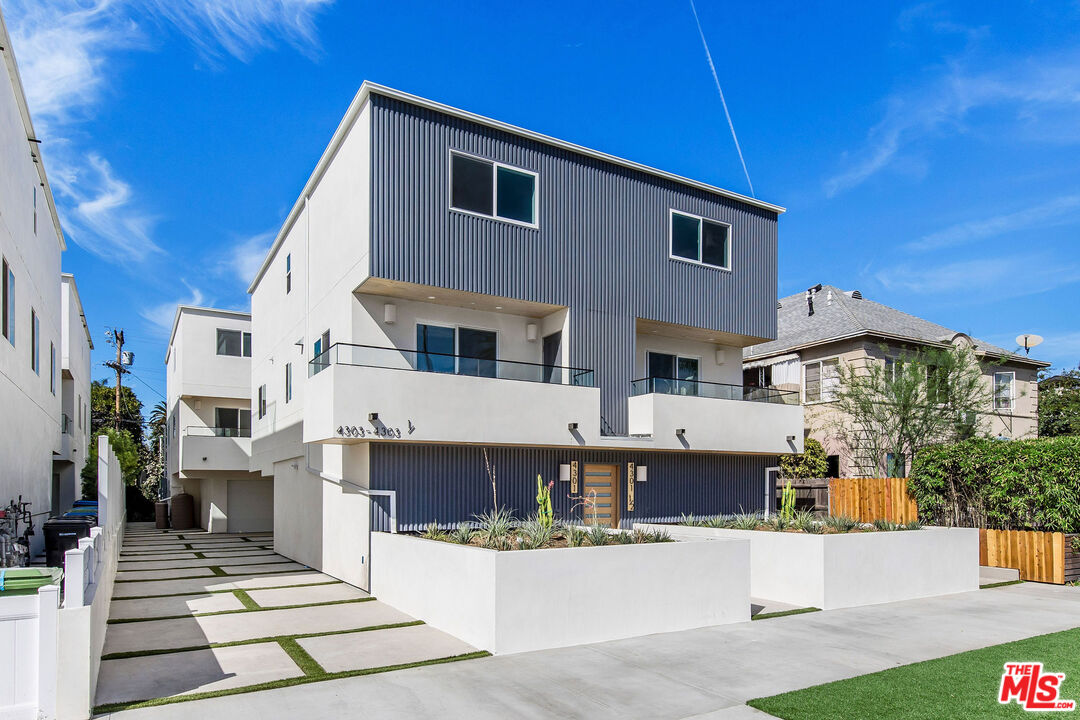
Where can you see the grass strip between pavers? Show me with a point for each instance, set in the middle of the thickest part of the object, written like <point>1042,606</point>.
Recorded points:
<point>1004,583</point>
<point>287,682</point>
<point>225,590</point>
<point>964,685</point>
<point>257,608</point>
<point>785,613</point>
<point>301,657</point>
<point>245,599</point>
<point>253,641</point>
<point>222,573</point>
<point>240,552</point>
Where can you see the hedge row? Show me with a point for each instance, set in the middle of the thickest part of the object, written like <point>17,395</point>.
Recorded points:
<point>1017,485</point>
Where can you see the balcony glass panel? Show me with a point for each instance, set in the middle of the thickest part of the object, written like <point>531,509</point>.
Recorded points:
<point>720,391</point>
<point>429,360</point>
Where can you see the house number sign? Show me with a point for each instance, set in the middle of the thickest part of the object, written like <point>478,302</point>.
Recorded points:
<point>359,431</point>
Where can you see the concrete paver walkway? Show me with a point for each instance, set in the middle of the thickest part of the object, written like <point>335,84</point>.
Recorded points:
<point>705,673</point>
<point>195,613</point>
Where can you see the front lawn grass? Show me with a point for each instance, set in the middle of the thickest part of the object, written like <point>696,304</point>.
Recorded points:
<point>958,686</point>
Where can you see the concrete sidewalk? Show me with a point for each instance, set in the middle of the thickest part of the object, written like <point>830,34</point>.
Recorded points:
<point>706,673</point>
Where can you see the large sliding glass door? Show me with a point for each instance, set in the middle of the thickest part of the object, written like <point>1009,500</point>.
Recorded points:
<point>465,351</point>
<point>672,374</point>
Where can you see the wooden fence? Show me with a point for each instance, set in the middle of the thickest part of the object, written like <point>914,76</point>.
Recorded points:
<point>1039,556</point>
<point>870,499</point>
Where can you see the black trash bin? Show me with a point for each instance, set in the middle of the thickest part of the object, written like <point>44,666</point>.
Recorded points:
<point>61,535</point>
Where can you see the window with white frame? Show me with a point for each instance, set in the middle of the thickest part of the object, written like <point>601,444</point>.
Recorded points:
<point>821,380</point>
<point>235,343</point>
<point>484,187</point>
<point>1004,390</point>
<point>699,240</point>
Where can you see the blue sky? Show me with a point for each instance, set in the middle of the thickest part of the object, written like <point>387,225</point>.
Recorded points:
<point>928,154</point>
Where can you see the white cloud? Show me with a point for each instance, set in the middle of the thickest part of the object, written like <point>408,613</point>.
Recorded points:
<point>1029,89</point>
<point>1053,212</point>
<point>161,316</point>
<point>982,280</point>
<point>242,27</point>
<point>245,258</point>
<point>63,47</point>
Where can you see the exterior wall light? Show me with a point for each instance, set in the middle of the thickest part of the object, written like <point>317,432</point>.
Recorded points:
<point>572,427</point>
<point>530,332</point>
<point>680,431</point>
<point>642,474</point>
<point>564,472</point>
<point>389,313</point>
<point>719,357</point>
<point>791,438</point>
<point>373,417</point>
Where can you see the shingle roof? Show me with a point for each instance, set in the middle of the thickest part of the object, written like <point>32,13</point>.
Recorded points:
<point>847,316</point>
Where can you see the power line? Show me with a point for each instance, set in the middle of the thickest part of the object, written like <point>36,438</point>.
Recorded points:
<point>147,385</point>
<point>716,79</point>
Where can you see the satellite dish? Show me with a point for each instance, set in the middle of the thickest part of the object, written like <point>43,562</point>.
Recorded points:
<point>1028,341</point>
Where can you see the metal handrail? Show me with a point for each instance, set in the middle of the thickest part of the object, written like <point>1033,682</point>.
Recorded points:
<point>393,358</point>
<point>721,391</point>
<point>203,431</point>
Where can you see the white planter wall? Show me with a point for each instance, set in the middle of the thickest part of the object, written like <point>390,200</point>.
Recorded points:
<point>851,569</point>
<point>516,601</point>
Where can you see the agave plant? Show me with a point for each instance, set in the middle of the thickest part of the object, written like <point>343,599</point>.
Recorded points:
<point>462,534</point>
<point>432,532</point>
<point>777,522</point>
<point>660,536</point>
<point>622,538</point>
<point>746,521</point>
<point>841,523</point>
<point>496,528</point>
<point>536,532</point>
<point>886,525</point>
<point>916,525</point>
<point>806,521</point>
<point>717,521</point>
<point>598,535</point>
<point>575,536</point>
<point>688,519</point>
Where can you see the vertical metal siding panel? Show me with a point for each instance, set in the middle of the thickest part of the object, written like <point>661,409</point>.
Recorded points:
<point>601,250</point>
<point>448,484</point>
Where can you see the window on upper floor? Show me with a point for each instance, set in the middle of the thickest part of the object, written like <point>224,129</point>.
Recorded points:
<point>821,379</point>
<point>35,209</point>
<point>288,382</point>
<point>7,302</point>
<point>35,342</point>
<point>262,401</point>
<point>288,273</point>
<point>232,422</point>
<point>1004,390</point>
<point>234,343</point>
<point>702,241</point>
<point>461,350</point>
<point>484,187</point>
<point>673,374</point>
<point>52,368</point>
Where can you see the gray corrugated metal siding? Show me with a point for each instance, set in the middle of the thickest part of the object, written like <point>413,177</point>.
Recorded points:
<point>601,248</point>
<point>448,484</point>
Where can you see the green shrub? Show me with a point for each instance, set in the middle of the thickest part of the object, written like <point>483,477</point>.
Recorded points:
<point>1011,485</point>
<point>812,463</point>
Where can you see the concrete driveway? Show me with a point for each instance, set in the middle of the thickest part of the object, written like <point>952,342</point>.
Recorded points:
<point>196,613</point>
<point>706,673</point>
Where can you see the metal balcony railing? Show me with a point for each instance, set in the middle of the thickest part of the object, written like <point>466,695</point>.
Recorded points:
<point>398,359</point>
<point>201,431</point>
<point>721,391</point>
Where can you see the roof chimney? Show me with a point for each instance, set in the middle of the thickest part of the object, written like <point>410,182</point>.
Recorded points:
<point>810,298</point>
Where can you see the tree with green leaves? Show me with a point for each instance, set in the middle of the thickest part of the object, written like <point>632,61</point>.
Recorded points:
<point>103,409</point>
<point>1059,403</point>
<point>894,408</point>
<point>127,452</point>
<point>811,463</point>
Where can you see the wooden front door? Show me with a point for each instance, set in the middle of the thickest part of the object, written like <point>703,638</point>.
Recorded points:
<point>603,480</point>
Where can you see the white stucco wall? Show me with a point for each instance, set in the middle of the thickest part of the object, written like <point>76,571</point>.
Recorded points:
<point>507,602</point>
<point>714,424</point>
<point>730,372</point>
<point>852,569</point>
<point>30,415</point>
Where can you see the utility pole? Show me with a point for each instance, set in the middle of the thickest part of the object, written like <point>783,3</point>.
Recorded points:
<point>116,337</point>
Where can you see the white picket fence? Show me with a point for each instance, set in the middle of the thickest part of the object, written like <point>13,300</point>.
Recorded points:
<point>50,652</point>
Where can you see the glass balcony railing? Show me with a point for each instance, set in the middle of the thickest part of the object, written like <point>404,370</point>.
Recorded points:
<point>200,431</point>
<point>398,359</point>
<point>721,391</point>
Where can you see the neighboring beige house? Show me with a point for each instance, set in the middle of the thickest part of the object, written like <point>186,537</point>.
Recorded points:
<point>821,328</point>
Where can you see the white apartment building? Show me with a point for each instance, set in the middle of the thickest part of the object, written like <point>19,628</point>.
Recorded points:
<point>450,289</point>
<point>75,347</point>
<point>31,310</point>
<point>208,451</point>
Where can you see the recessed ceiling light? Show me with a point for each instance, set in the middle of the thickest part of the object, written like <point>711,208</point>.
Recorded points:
<point>430,297</point>
<point>498,307</point>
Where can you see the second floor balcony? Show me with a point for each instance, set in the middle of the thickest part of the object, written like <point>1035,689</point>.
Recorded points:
<point>363,392</point>
<point>205,449</point>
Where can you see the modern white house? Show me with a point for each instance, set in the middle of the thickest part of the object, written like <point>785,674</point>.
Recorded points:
<point>75,347</point>
<point>453,298</point>
<point>208,447</point>
<point>32,314</point>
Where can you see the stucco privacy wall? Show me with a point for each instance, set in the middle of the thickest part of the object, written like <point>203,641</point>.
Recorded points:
<point>601,247</point>
<point>851,569</point>
<point>507,602</point>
